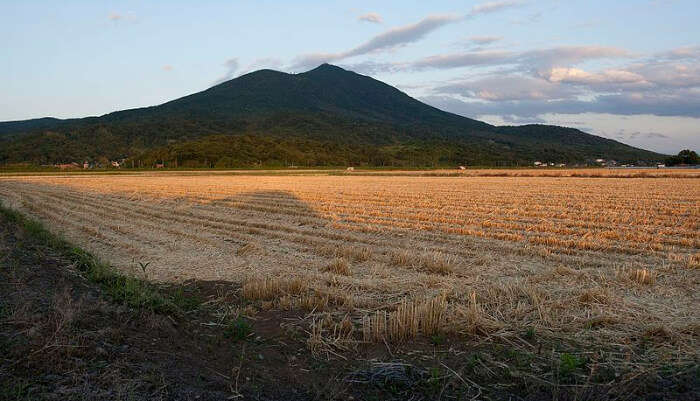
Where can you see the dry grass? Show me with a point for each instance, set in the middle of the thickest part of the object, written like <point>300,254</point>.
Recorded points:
<point>338,266</point>
<point>272,288</point>
<point>600,258</point>
<point>544,172</point>
<point>644,276</point>
<point>438,262</point>
<point>408,320</point>
<point>248,249</point>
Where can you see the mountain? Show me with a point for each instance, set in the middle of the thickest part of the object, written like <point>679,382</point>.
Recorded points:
<point>325,116</point>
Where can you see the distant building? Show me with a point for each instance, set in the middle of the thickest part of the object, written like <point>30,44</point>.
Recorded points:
<point>660,166</point>
<point>115,164</point>
<point>350,169</point>
<point>561,165</point>
<point>538,163</point>
<point>600,160</point>
<point>86,165</point>
<point>462,168</point>
<point>160,165</point>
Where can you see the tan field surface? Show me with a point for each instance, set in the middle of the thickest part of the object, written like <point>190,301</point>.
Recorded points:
<point>598,259</point>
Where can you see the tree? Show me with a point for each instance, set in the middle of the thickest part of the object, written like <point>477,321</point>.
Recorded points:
<point>685,156</point>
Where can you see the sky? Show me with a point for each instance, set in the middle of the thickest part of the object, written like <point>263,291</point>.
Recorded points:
<point>627,70</point>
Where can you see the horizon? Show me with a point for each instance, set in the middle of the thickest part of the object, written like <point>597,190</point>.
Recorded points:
<point>502,62</point>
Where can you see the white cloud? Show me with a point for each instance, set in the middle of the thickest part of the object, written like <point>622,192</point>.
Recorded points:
<point>578,76</point>
<point>371,17</point>
<point>493,6</point>
<point>231,68</point>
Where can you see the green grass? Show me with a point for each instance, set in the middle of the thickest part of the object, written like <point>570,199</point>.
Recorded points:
<point>131,291</point>
<point>238,329</point>
<point>570,364</point>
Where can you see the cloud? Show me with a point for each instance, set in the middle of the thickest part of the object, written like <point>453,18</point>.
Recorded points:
<point>679,73</point>
<point>530,19</point>
<point>393,38</point>
<point>489,58</point>
<point>659,92</point>
<point>492,7</point>
<point>371,17</point>
<point>529,98</point>
<point>231,68</point>
<point>578,76</point>
<point>485,40</point>
<point>570,55</point>
<point>167,68</point>
<point>507,88</point>
<point>686,52</point>
<point>638,134</point>
<point>532,82</point>
<point>532,60</point>
<point>372,67</point>
<point>121,18</point>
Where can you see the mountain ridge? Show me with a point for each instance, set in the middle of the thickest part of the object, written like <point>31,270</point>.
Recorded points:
<point>365,121</point>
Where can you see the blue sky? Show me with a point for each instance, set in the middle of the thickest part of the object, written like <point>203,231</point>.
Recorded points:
<point>628,70</point>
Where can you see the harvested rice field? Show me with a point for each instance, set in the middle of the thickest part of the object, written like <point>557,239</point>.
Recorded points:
<point>391,258</point>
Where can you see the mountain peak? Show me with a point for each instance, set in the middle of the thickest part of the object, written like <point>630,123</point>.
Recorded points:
<point>325,68</point>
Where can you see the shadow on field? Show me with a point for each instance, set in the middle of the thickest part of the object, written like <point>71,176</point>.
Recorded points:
<point>282,203</point>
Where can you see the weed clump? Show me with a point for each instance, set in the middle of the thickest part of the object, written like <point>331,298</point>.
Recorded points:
<point>238,329</point>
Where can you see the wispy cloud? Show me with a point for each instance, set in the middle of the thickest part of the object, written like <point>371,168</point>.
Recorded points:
<point>539,59</point>
<point>371,17</point>
<point>231,68</point>
<point>485,40</point>
<point>444,61</point>
<point>637,134</point>
<point>570,55</point>
<point>121,17</point>
<point>493,6</point>
<point>393,38</point>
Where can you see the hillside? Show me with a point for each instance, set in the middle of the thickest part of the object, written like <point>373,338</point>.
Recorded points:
<point>326,116</point>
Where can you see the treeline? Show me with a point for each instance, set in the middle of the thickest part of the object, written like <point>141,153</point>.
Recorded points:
<point>685,156</point>
<point>301,139</point>
<point>243,151</point>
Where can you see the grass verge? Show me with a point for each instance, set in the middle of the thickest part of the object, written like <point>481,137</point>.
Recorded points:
<point>128,290</point>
